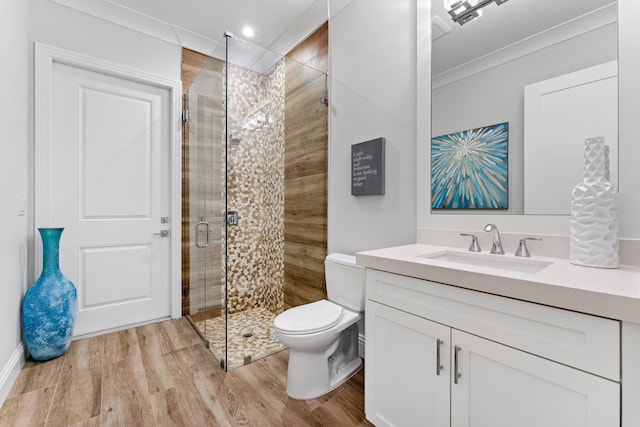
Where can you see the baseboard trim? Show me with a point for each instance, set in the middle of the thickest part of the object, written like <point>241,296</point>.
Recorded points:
<point>11,370</point>
<point>120,328</point>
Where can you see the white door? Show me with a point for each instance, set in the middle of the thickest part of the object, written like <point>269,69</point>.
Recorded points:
<point>499,386</point>
<point>559,114</point>
<point>103,170</point>
<point>406,386</point>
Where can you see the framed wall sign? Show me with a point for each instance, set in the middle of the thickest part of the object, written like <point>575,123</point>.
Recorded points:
<point>367,167</point>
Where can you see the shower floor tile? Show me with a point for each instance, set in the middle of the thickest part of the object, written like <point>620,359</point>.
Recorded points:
<point>251,336</point>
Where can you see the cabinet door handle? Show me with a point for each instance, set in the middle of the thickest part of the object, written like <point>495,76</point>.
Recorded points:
<point>439,366</point>
<point>456,373</point>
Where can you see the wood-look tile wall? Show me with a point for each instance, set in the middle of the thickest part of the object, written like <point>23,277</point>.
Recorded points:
<point>305,170</point>
<point>192,64</point>
<point>202,179</point>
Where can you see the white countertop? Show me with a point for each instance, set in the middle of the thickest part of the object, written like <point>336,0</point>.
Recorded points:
<point>612,293</point>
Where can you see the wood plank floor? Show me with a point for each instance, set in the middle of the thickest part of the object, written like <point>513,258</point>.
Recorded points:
<point>162,375</point>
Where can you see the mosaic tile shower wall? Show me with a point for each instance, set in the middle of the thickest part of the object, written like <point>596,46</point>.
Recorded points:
<point>255,188</point>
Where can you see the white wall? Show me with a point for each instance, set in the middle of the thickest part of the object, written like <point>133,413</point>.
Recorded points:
<point>14,177</point>
<point>23,22</point>
<point>372,94</point>
<point>70,29</point>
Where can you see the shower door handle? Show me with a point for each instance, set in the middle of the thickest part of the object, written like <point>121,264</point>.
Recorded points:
<point>202,228</point>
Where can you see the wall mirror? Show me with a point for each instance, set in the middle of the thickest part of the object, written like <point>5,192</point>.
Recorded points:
<point>546,48</point>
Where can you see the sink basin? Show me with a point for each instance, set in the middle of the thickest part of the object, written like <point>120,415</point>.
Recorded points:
<point>522,265</point>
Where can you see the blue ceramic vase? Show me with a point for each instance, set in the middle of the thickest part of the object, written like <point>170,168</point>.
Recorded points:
<point>49,306</point>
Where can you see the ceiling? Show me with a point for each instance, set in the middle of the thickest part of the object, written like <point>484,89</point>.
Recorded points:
<point>501,26</point>
<point>280,25</point>
<point>270,19</point>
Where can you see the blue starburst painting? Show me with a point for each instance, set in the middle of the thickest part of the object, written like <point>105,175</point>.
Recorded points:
<point>469,169</point>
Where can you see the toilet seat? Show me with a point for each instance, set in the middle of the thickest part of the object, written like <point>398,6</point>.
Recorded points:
<point>309,318</point>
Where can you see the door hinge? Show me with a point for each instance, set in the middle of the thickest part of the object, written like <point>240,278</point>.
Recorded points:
<point>185,116</point>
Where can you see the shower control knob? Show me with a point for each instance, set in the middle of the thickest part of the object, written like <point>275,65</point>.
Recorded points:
<point>232,218</point>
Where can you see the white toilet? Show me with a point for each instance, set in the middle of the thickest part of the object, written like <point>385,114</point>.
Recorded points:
<point>322,336</point>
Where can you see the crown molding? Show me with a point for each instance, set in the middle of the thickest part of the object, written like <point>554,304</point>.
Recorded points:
<point>139,22</point>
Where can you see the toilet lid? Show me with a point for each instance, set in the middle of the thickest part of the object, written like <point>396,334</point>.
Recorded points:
<point>305,319</point>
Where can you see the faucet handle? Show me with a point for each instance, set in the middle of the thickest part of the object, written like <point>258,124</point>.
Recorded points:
<point>475,247</point>
<point>522,250</point>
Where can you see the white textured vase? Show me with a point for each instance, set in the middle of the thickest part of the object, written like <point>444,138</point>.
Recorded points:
<point>594,212</point>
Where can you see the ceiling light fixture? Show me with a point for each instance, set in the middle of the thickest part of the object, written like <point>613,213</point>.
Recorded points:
<point>463,11</point>
<point>248,32</point>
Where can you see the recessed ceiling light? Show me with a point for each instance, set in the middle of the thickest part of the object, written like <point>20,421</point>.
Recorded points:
<point>248,32</point>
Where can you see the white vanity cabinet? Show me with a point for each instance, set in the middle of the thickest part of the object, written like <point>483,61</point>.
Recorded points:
<point>501,386</point>
<point>404,385</point>
<point>438,355</point>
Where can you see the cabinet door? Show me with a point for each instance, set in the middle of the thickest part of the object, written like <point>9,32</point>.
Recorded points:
<point>499,386</point>
<point>403,384</point>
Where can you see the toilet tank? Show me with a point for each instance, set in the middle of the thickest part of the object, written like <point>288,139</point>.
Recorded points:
<point>345,281</point>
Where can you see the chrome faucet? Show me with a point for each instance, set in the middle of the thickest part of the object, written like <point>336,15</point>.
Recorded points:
<point>475,247</point>
<point>496,248</point>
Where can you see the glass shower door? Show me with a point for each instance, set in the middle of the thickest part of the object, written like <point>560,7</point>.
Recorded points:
<point>204,199</point>
<point>234,191</point>
<point>255,199</point>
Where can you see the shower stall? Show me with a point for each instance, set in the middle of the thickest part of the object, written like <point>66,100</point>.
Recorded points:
<point>233,251</point>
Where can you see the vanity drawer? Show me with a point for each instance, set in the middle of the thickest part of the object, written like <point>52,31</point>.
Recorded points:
<point>579,340</point>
